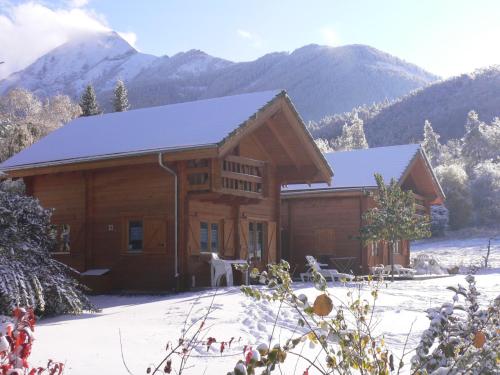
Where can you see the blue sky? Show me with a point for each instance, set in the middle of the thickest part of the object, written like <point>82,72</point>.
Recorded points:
<point>443,36</point>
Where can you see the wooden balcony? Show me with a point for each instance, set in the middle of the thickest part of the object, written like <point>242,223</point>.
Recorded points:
<point>234,175</point>
<point>420,206</point>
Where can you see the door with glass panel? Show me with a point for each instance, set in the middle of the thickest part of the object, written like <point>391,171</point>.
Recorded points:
<point>256,235</point>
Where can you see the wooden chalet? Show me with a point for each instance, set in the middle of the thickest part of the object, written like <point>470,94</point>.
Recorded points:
<point>324,221</point>
<point>142,198</point>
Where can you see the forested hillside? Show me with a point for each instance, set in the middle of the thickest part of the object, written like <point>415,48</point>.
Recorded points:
<point>321,80</point>
<point>445,104</point>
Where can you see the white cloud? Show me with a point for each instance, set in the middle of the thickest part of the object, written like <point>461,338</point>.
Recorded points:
<point>245,34</point>
<point>29,30</point>
<point>78,3</point>
<point>253,38</point>
<point>329,36</point>
<point>129,36</point>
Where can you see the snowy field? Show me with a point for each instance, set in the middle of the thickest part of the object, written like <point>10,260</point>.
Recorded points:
<point>90,343</point>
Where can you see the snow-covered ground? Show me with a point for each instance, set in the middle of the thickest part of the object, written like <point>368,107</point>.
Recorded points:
<point>90,343</point>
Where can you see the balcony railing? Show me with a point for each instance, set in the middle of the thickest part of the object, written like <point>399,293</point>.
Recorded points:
<point>242,176</point>
<point>420,207</point>
<point>233,175</point>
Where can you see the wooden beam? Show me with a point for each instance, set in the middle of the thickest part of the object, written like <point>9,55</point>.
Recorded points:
<point>250,126</point>
<point>308,142</point>
<point>272,124</point>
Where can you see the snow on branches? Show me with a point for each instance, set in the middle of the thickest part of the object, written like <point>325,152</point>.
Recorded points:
<point>29,276</point>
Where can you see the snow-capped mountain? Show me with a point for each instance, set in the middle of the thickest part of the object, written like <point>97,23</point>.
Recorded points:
<point>97,58</point>
<point>321,80</point>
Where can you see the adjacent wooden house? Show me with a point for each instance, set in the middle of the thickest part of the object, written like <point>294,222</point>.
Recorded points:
<point>142,198</point>
<point>324,221</point>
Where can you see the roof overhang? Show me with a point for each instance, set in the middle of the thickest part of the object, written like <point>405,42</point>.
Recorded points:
<point>281,102</point>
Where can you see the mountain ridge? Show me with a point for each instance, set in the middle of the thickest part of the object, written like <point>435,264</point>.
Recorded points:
<point>320,79</point>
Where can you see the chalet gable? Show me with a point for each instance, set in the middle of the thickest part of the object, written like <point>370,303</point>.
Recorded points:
<point>354,170</point>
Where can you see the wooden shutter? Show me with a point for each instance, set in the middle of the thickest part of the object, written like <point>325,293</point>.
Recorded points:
<point>243,238</point>
<point>324,240</point>
<point>228,231</point>
<point>194,236</point>
<point>155,234</point>
<point>271,242</point>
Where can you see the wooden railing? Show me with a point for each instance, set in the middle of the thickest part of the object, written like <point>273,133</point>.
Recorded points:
<point>233,175</point>
<point>420,207</point>
<point>242,176</point>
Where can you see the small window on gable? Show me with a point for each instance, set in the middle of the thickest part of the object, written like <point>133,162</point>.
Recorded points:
<point>135,235</point>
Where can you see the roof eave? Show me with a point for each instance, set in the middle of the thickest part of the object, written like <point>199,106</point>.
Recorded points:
<point>68,162</point>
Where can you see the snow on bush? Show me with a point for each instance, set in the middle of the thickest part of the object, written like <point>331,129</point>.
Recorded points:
<point>463,338</point>
<point>343,334</point>
<point>29,276</point>
<point>439,219</point>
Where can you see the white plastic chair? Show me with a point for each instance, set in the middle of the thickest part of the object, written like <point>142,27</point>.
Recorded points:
<point>218,269</point>
<point>331,273</point>
<point>400,270</point>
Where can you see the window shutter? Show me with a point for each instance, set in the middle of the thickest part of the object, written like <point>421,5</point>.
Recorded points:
<point>228,238</point>
<point>194,236</point>
<point>243,239</point>
<point>155,234</point>
<point>271,242</point>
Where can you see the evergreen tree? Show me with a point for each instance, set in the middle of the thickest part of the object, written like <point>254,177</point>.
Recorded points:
<point>120,101</point>
<point>88,102</point>
<point>394,218</point>
<point>431,144</point>
<point>474,143</point>
<point>29,276</point>
<point>357,130</point>
<point>456,186</point>
<point>352,137</point>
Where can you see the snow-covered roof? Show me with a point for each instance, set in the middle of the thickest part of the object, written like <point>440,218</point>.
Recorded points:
<point>203,123</point>
<point>356,169</point>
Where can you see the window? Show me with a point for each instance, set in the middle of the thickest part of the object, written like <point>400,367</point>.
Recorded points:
<point>376,248</point>
<point>204,237</point>
<point>63,238</point>
<point>135,235</point>
<point>255,241</point>
<point>397,248</point>
<point>209,237</point>
<point>214,238</point>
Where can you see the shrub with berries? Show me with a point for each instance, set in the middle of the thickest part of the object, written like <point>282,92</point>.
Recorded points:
<point>16,340</point>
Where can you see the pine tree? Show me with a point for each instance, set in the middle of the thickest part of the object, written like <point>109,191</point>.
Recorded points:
<point>88,102</point>
<point>120,101</point>
<point>474,142</point>
<point>357,130</point>
<point>352,137</point>
<point>394,218</point>
<point>431,144</point>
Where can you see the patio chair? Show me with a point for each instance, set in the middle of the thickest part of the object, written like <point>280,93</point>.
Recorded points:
<point>331,273</point>
<point>399,270</point>
<point>377,270</point>
<point>218,269</point>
